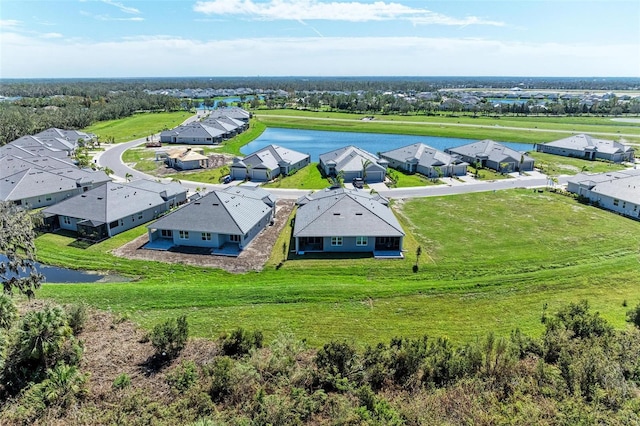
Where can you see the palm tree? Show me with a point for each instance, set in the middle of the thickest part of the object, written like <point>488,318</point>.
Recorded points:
<point>365,164</point>
<point>128,177</point>
<point>42,334</point>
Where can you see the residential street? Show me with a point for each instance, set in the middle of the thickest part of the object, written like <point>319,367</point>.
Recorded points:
<point>112,158</point>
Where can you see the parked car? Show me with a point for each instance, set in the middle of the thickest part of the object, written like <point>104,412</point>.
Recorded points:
<point>358,183</point>
<point>226,179</point>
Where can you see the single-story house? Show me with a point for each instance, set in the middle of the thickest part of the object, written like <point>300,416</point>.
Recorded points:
<point>423,159</point>
<point>114,208</point>
<point>35,150</point>
<point>236,113</point>
<point>268,163</point>
<point>187,158</point>
<point>34,187</point>
<point>35,143</point>
<point>196,133</point>
<point>11,164</point>
<point>353,163</point>
<point>340,220</point>
<point>224,221</point>
<point>588,148</point>
<point>74,136</point>
<point>615,191</point>
<point>493,155</point>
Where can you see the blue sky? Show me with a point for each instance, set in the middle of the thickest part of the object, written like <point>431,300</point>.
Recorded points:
<point>156,38</point>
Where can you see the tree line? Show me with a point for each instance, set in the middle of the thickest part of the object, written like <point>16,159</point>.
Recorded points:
<point>30,115</point>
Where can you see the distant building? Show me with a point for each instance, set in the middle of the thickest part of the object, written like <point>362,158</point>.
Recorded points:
<point>354,163</point>
<point>423,159</point>
<point>493,155</point>
<point>187,158</point>
<point>268,163</point>
<point>588,148</point>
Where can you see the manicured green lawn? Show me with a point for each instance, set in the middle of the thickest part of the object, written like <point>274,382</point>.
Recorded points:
<point>308,177</point>
<point>490,261</point>
<point>204,176</point>
<point>137,126</point>
<point>405,180</point>
<point>554,165</point>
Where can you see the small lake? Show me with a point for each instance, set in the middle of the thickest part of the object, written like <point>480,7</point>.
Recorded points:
<point>316,142</point>
<point>54,274</point>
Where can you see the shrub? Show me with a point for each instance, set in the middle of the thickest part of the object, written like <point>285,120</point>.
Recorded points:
<point>77,317</point>
<point>633,316</point>
<point>122,381</point>
<point>220,373</point>
<point>183,377</point>
<point>240,342</point>
<point>8,311</point>
<point>170,337</point>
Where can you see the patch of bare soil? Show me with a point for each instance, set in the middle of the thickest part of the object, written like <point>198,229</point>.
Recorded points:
<point>113,347</point>
<point>252,258</point>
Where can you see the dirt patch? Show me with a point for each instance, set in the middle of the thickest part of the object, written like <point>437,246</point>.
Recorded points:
<point>252,258</point>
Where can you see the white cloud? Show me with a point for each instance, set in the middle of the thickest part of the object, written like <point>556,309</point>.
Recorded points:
<point>165,55</point>
<point>110,18</point>
<point>123,8</point>
<point>51,35</point>
<point>9,24</point>
<point>354,11</point>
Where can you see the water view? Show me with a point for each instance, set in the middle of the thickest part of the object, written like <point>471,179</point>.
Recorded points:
<point>316,142</point>
<point>53,274</point>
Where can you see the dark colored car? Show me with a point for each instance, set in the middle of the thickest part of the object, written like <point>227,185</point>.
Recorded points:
<point>226,179</point>
<point>358,183</point>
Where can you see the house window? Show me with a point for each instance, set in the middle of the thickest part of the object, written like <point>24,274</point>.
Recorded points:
<point>362,241</point>
<point>66,220</point>
<point>336,241</point>
<point>616,202</point>
<point>140,216</point>
<point>234,238</point>
<point>166,233</point>
<point>184,235</point>
<point>206,236</point>
<point>113,224</point>
<point>48,198</point>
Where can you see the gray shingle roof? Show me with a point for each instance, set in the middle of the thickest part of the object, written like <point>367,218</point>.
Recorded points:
<point>421,154</point>
<point>219,212</point>
<point>11,164</point>
<point>581,142</point>
<point>111,202</point>
<point>345,214</point>
<point>271,157</point>
<point>494,151</point>
<point>328,192</point>
<point>351,158</point>
<point>623,184</point>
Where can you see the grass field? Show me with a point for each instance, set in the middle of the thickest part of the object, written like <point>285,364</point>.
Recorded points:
<point>510,129</point>
<point>137,126</point>
<point>554,165</point>
<point>490,262</point>
<point>308,177</point>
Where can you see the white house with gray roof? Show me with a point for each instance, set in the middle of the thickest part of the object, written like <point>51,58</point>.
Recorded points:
<point>268,163</point>
<point>35,188</point>
<point>220,222</point>
<point>114,208</point>
<point>347,221</point>
<point>588,148</point>
<point>423,159</point>
<point>353,163</point>
<point>11,164</point>
<point>493,155</point>
<point>615,191</point>
<point>55,144</point>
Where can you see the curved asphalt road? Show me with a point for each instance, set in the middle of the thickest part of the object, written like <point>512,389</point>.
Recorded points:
<point>112,158</point>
